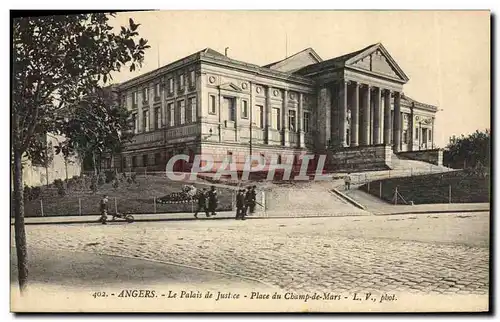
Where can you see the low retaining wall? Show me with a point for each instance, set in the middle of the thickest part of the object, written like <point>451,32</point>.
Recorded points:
<point>362,158</point>
<point>434,156</point>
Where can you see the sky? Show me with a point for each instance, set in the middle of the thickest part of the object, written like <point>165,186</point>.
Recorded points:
<point>446,54</point>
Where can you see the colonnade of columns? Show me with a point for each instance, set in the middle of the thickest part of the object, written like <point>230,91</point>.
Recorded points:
<point>366,129</point>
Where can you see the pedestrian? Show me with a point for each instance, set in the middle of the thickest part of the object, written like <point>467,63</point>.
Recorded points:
<point>212,201</point>
<point>347,181</point>
<point>202,203</point>
<point>104,210</point>
<point>240,204</point>
<point>253,199</point>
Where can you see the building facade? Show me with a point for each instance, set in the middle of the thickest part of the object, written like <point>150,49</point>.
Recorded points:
<point>208,103</point>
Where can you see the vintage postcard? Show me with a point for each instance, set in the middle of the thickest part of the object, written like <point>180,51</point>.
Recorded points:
<point>251,161</point>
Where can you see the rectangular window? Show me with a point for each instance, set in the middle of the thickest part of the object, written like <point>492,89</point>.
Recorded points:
<point>276,119</point>
<point>430,135</point>
<point>260,116</point>
<point>157,91</point>
<point>211,107</point>
<point>171,114</point>
<point>192,104</point>
<point>158,118</point>
<point>182,111</point>
<point>229,105</point>
<point>144,160</point>
<point>145,121</point>
<point>170,85</point>
<point>291,120</point>
<point>134,98</point>
<point>134,161</point>
<point>181,81</point>
<point>417,131</point>
<point>405,136</point>
<point>157,158</point>
<point>135,122</point>
<point>145,94</point>
<point>306,121</point>
<point>192,78</point>
<point>244,109</point>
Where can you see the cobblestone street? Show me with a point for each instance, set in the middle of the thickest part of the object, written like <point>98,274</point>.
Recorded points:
<point>425,253</point>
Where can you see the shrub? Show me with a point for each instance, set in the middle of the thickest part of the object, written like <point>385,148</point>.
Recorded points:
<point>35,193</point>
<point>133,176</point>
<point>93,187</point>
<point>61,191</point>
<point>110,175</point>
<point>28,194</point>
<point>115,183</point>
<point>58,183</point>
<point>101,180</point>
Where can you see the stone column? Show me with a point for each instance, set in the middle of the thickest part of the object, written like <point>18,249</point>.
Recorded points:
<point>355,115</point>
<point>300,121</point>
<point>376,116</point>
<point>397,122</point>
<point>432,134</point>
<point>387,117</point>
<point>237,102</point>
<point>411,126</point>
<point>286,130</point>
<point>365,119</point>
<point>342,108</point>
<point>268,115</point>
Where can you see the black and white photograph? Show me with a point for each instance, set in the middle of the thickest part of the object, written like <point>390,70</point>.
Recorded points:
<point>250,161</point>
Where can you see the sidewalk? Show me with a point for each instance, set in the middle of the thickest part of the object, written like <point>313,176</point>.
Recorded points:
<point>380,207</point>
<point>88,219</point>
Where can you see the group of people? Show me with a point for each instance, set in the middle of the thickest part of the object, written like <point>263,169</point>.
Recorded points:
<point>207,202</point>
<point>246,199</point>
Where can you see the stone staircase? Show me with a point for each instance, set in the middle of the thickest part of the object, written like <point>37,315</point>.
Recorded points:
<point>399,163</point>
<point>307,200</point>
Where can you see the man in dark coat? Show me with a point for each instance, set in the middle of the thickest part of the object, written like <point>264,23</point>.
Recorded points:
<point>240,204</point>
<point>202,203</point>
<point>251,199</point>
<point>104,210</point>
<point>213,201</point>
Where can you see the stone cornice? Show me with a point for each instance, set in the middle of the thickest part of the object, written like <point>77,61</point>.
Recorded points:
<point>255,69</point>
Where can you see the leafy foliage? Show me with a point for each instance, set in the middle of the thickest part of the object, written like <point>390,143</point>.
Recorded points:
<point>472,151</point>
<point>59,64</point>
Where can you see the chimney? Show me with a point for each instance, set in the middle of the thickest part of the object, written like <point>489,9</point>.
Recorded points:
<point>226,51</point>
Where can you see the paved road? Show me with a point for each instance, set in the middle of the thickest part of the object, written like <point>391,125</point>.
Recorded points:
<point>445,253</point>
<point>94,272</point>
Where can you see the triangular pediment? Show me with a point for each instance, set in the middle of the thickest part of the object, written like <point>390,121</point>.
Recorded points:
<point>377,60</point>
<point>297,61</point>
<point>230,87</point>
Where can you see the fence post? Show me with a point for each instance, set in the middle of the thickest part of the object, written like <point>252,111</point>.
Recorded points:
<point>80,206</point>
<point>116,207</point>
<point>396,196</point>
<point>368,186</point>
<point>154,204</point>
<point>41,206</point>
<point>380,190</point>
<point>411,172</point>
<point>449,193</point>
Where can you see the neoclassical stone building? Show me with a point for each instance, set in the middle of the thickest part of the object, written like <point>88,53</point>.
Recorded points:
<point>350,107</point>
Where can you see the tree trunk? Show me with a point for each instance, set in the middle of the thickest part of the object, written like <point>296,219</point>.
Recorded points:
<point>94,163</point>
<point>20,233</point>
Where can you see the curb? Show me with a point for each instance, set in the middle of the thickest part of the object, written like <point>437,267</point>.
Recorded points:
<point>124,222</point>
<point>430,212</point>
<point>348,199</point>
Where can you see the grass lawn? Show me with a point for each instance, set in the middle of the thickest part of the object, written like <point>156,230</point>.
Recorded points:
<point>466,187</point>
<point>130,198</point>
